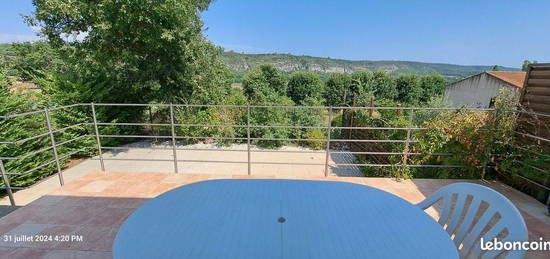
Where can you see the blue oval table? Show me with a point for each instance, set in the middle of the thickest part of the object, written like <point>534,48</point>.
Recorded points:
<point>280,219</point>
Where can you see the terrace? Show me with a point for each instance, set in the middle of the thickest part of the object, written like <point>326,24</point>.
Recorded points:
<point>94,197</point>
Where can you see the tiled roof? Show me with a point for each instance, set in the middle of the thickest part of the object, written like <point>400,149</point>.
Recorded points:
<point>514,78</point>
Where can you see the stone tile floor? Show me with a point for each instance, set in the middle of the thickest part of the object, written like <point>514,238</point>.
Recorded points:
<point>94,206</point>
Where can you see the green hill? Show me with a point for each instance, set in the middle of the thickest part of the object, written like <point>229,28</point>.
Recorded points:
<point>241,63</point>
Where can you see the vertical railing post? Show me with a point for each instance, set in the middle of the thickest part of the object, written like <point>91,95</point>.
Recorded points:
<point>98,140</point>
<point>408,140</point>
<point>54,147</point>
<point>329,129</point>
<point>151,122</point>
<point>248,138</point>
<point>352,118</point>
<point>174,147</point>
<point>6,183</point>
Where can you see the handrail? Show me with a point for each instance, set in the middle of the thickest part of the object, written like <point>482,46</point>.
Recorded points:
<point>173,137</point>
<point>41,110</point>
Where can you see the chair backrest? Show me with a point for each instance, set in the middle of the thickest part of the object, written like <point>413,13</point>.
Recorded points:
<point>465,231</point>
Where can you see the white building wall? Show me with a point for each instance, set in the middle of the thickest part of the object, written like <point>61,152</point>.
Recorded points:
<point>476,91</point>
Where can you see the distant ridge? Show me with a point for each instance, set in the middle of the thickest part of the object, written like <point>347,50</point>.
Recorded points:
<point>239,62</point>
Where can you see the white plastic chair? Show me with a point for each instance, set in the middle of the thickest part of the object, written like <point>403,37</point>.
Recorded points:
<point>458,226</point>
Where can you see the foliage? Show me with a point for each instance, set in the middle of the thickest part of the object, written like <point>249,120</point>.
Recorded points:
<point>19,128</point>
<point>307,117</point>
<point>462,133</point>
<point>149,52</point>
<point>313,135</point>
<point>340,88</point>
<point>303,85</point>
<point>516,157</point>
<point>262,81</point>
<point>525,161</point>
<point>471,136</point>
<point>496,68</point>
<point>526,63</point>
<point>4,81</point>
<point>34,59</point>
<point>214,116</point>
<point>359,82</point>
<point>272,117</point>
<point>107,51</point>
<point>382,85</point>
<point>384,118</point>
<point>377,83</point>
<point>432,86</point>
<point>421,116</point>
<point>336,89</point>
<point>134,51</point>
<point>409,88</point>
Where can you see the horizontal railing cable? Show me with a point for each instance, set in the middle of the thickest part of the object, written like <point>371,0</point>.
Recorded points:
<point>247,140</point>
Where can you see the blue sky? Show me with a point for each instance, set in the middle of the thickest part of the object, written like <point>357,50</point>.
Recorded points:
<point>469,32</point>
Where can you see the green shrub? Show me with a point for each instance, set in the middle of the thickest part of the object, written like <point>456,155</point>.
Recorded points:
<point>303,85</point>
<point>262,81</point>
<point>337,89</point>
<point>272,117</point>
<point>316,134</point>
<point>19,128</point>
<point>409,88</point>
<point>307,118</point>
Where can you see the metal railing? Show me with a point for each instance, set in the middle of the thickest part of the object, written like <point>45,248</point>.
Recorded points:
<point>95,133</point>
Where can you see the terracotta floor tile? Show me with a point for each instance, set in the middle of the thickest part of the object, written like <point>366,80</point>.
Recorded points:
<point>71,254</point>
<point>7,227</point>
<point>83,201</point>
<point>162,188</point>
<point>41,214</point>
<point>120,187</point>
<point>26,253</point>
<point>89,236</point>
<point>96,186</point>
<point>27,230</point>
<point>49,200</point>
<point>105,243</point>
<point>108,217</point>
<point>130,203</point>
<point>96,204</point>
<point>54,235</point>
<point>175,178</point>
<point>75,185</point>
<point>74,215</point>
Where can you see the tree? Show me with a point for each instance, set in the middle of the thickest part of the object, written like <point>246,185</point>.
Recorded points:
<point>304,84</point>
<point>408,88</point>
<point>272,116</point>
<point>382,85</point>
<point>359,81</point>
<point>496,68</point>
<point>377,83</point>
<point>526,63</point>
<point>134,51</point>
<point>263,80</point>
<point>432,86</point>
<point>34,59</point>
<point>337,89</point>
<point>307,117</point>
